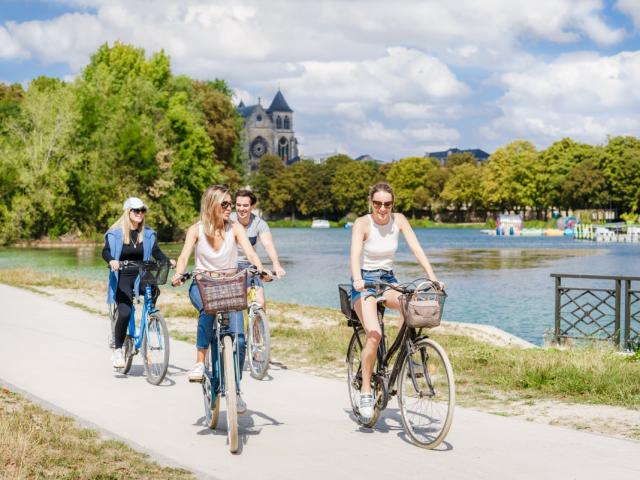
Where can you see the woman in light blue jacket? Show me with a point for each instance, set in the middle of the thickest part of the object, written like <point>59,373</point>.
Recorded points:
<point>127,239</point>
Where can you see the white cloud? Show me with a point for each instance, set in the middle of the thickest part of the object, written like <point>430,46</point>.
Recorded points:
<point>584,96</point>
<point>631,8</point>
<point>9,47</point>
<point>398,64</point>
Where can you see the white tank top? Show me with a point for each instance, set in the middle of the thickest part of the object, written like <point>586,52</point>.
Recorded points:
<point>223,259</point>
<point>380,246</point>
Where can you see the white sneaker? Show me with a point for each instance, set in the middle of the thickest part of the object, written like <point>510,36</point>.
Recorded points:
<point>197,372</point>
<point>366,406</point>
<point>118,358</point>
<point>241,406</point>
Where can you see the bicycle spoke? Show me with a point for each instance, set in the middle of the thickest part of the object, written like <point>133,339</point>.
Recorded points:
<point>426,398</point>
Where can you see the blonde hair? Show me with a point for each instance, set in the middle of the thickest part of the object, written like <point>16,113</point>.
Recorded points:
<point>124,222</point>
<point>210,209</point>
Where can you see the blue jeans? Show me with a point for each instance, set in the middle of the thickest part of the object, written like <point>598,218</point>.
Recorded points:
<point>371,276</point>
<point>206,325</point>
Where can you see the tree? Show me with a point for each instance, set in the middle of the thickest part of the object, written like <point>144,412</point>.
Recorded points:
<point>552,172</point>
<point>270,186</point>
<point>506,175</point>
<point>584,186</point>
<point>460,158</point>
<point>222,122</point>
<point>417,183</point>
<point>621,166</point>
<point>463,187</point>
<point>350,187</point>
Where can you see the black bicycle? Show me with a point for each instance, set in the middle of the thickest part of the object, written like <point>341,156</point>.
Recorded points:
<point>415,368</point>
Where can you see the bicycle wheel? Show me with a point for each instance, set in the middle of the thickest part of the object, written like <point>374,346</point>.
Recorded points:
<point>231,394</point>
<point>259,344</point>
<point>155,349</point>
<point>211,402</point>
<point>426,398</point>
<point>354,379</point>
<point>129,351</point>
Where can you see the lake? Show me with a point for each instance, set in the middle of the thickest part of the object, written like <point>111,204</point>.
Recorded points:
<point>500,281</point>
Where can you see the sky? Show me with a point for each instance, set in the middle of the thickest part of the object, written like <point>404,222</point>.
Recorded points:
<point>388,79</point>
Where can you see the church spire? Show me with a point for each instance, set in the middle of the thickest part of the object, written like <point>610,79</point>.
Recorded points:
<point>279,104</point>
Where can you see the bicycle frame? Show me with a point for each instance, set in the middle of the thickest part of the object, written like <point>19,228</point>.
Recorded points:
<point>217,372</point>
<point>137,333</point>
<point>406,337</point>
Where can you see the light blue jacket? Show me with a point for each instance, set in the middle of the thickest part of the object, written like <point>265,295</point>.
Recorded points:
<point>115,239</point>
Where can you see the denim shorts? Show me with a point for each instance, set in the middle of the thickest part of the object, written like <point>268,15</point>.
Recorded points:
<point>371,276</point>
<point>257,280</point>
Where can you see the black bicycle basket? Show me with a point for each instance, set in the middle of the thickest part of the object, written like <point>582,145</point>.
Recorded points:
<point>345,304</point>
<point>154,273</point>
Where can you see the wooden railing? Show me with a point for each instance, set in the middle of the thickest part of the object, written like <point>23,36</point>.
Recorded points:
<point>610,312</point>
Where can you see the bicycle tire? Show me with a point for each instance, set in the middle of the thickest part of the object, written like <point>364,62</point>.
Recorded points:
<point>427,413</point>
<point>156,339</point>
<point>231,394</point>
<point>129,350</point>
<point>211,403</point>
<point>259,344</point>
<point>354,380</point>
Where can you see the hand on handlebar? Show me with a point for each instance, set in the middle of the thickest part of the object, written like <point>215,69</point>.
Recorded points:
<point>179,279</point>
<point>359,285</point>
<point>114,265</point>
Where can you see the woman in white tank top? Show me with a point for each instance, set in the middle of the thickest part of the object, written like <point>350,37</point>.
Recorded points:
<point>374,241</point>
<point>216,242</point>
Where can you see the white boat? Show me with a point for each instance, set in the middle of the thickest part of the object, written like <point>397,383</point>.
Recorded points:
<point>319,223</point>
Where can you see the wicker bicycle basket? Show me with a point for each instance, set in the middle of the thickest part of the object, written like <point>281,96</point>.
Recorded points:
<point>223,291</point>
<point>154,273</point>
<point>422,309</point>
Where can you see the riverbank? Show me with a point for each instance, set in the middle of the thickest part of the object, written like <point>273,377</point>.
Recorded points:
<point>587,388</point>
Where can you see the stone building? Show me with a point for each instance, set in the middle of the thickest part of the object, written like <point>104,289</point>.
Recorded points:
<point>268,131</point>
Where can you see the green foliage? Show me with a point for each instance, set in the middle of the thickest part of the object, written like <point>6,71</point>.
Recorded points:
<point>506,176</point>
<point>71,153</point>
<point>350,186</point>
<point>462,187</point>
<point>417,183</point>
<point>270,185</point>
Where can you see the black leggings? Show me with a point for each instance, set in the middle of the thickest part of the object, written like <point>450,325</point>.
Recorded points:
<point>124,301</point>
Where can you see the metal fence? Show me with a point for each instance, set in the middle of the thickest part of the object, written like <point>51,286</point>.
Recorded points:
<point>606,308</point>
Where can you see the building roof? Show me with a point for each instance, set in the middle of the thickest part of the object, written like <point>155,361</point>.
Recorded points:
<point>279,104</point>
<point>476,152</point>
<point>246,111</point>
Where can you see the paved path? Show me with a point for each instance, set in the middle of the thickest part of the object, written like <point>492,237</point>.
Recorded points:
<point>298,426</point>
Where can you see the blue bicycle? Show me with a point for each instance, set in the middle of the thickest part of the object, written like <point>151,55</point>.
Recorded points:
<point>151,336</point>
<point>224,292</point>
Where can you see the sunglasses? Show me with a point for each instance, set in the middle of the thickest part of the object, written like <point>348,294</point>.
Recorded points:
<point>226,205</point>
<point>138,211</point>
<point>377,204</point>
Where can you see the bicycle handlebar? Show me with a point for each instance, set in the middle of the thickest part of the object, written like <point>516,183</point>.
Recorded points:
<point>265,275</point>
<point>139,263</point>
<point>423,286</point>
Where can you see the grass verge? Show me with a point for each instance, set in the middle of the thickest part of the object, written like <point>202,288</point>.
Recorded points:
<point>35,443</point>
<point>314,339</point>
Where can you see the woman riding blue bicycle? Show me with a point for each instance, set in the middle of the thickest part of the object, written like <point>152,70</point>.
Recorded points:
<point>216,240</point>
<point>374,242</point>
<point>128,239</point>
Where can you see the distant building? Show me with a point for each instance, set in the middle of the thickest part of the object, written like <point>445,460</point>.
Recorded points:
<point>268,131</point>
<point>480,155</point>
<point>367,158</point>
